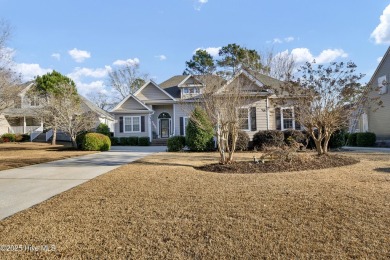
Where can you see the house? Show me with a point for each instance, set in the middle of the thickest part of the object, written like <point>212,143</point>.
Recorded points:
<point>378,121</point>
<point>23,117</point>
<point>159,111</point>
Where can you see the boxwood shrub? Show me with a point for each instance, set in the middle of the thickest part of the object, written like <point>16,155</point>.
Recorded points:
<point>103,129</point>
<point>143,141</point>
<point>242,141</point>
<point>265,138</point>
<point>365,139</point>
<point>296,135</point>
<point>352,139</point>
<point>96,142</point>
<point>176,143</point>
<point>114,140</point>
<point>8,138</point>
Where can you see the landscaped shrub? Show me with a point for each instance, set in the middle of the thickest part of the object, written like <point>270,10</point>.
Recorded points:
<point>114,140</point>
<point>242,141</point>
<point>199,131</point>
<point>133,140</point>
<point>296,135</point>
<point>365,139</point>
<point>80,139</point>
<point>176,143</point>
<point>22,138</point>
<point>337,139</point>
<point>8,138</point>
<point>266,138</point>
<point>143,141</point>
<point>96,142</point>
<point>103,129</point>
<point>352,139</point>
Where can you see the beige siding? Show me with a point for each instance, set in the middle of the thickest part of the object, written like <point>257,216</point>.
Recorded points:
<point>379,121</point>
<point>141,134</point>
<point>132,104</point>
<point>181,110</point>
<point>151,92</point>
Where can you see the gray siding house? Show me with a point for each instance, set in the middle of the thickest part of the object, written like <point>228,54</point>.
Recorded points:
<point>159,111</point>
<point>379,121</point>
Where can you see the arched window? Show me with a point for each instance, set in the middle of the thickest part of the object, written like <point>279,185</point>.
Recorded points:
<point>164,115</point>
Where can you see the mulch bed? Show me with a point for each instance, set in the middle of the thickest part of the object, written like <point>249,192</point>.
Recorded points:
<point>313,163</point>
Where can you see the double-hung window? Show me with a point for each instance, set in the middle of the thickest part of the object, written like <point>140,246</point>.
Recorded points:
<point>287,118</point>
<point>132,124</point>
<point>243,116</point>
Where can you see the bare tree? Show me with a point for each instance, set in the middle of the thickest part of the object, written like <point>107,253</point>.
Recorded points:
<point>126,79</point>
<point>8,78</point>
<point>64,111</point>
<point>101,100</point>
<point>325,98</point>
<point>281,66</point>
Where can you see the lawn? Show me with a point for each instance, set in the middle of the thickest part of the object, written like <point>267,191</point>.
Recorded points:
<point>14,155</point>
<point>161,207</point>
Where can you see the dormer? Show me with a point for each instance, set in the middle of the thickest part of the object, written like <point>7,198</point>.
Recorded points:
<point>190,87</point>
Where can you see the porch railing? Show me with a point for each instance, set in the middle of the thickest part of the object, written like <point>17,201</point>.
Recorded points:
<point>49,134</point>
<point>34,134</point>
<point>20,129</point>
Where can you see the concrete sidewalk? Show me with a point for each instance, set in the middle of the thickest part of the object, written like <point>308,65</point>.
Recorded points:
<point>24,187</point>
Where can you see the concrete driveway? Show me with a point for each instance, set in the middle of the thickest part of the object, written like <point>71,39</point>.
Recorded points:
<point>24,187</point>
<point>367,149</point>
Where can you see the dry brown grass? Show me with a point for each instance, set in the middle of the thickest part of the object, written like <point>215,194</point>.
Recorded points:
<point>162,208</point>
<point>14,155</point>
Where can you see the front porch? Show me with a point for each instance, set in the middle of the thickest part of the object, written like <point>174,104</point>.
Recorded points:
<point>24,124</point>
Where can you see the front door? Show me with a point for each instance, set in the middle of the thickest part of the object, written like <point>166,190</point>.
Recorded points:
<point>164,128</point>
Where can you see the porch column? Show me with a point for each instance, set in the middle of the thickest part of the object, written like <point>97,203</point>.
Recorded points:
<point>173,120</point>
<point>42,123</point>
<point>24,125</point>
<point>150,126</point>
<point>267,112</point>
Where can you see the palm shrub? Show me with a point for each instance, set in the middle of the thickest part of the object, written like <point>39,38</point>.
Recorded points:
<point>176,143</point>
<point>96,142</point>
<point>199,131</point>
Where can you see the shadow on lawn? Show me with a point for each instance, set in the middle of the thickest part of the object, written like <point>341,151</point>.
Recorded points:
<point>163,164</point>
<point>383,170</point>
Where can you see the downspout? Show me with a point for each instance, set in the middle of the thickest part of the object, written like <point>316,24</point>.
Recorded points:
<point>267,111</point>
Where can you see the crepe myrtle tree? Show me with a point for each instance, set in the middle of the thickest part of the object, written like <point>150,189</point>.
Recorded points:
<point>325,97</point>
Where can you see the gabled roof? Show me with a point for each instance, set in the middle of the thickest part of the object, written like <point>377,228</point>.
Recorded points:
<point>157,86</point>
<point>380,65</point>
<point>263,88</point>
<point>95,108</point>
<point>127,98</point>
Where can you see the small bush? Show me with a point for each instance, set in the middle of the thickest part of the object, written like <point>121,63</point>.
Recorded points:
<point>133,140</point>
<point>365,139</point>
<point>176,143</point>
<point>337,139</point>
<point>352,139</point>
<point>143,141</point>
<point>114,140</point>
<point>267,138</point>
<point>199,131</point>
<point>296,135</point>
<point>242,141</point>
<point>103,129</point>
<point>22,138</point>
<point>6,138</point>
<point>80,139</point>
<point>96,142</point>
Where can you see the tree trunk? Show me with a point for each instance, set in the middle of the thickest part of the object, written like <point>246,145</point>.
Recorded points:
<point>74,143</point>
<point>319,146</point>
<point>54,138</point>
<point>326,143</point>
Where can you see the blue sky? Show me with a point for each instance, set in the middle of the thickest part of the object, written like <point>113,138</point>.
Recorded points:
<point>84,39</point>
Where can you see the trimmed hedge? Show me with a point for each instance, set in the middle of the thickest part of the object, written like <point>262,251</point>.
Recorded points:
<point>103,129</point>
<point>96,142</point>
<point>114,140</point>
<point>337,139</point>
<point>6,138</point>
<point>265,138</point>
<point>176,143</point>
<point>365,139</point>
<point>133,140</point>
<point>352,139</point>
<point>242,141</point>
<point>143,141</point>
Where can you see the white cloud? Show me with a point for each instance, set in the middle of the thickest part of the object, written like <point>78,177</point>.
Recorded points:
<point>130,62</point>
<point>199,3</point>
<point>379,59</point>
<point>161,57</point>
<point>79,55</point>
<point>213,51</point>
<point>277,40</point>
<point>56,56</point>
<point>284,40</point>
<point>381,34</point>
<point>30,71</point>
<point>79,73</point>
<point>94,87</point>
<point>289,39</point>
<point>303,54</point>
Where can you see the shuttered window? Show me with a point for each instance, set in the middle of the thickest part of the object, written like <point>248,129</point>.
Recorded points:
<point>132,124</point>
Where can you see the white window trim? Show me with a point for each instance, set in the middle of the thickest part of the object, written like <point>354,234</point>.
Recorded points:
<point>184,124</point>
<point>282,119</point>
<point>131,124</point>
<point>249,118</point>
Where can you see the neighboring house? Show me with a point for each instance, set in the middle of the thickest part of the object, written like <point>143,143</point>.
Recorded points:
<point>159,111</point>
<point>23,117</point>
<point>379,121</point>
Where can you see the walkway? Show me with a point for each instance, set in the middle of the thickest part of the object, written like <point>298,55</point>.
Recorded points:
<point>24,187</point>
<point>367,149</point>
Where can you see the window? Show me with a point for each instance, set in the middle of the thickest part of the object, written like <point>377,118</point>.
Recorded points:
<point>287,118</point>
<point>191,90</point>
<point>132,124</point>
<point>243,117</point>
<point>34,101</point>
<point>382,85</point>
<point>185,123</point>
